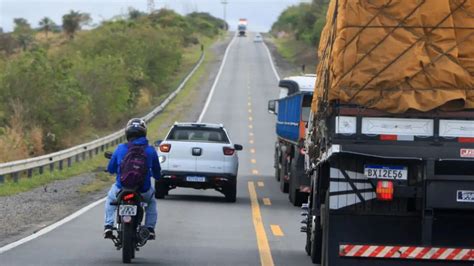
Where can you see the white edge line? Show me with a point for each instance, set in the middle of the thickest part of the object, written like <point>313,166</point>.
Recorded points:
<point>84,209</point>
<point>216,80</point>
<point>271,62</point>
<point>51,227</point>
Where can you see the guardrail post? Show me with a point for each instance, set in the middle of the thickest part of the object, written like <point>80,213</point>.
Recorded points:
<point>91,153</point>
<point>97,150</point>
<point>69,162</point>
<point>77,158</point>
<point>106,145</point>
<point>15,177</point>
<point>2,179</point>
<point>61,165</point>
<point>102,147</point>
<point>83,156</point>
<point>51,167</point>
<point>40,169</point>
<point>30,173</point>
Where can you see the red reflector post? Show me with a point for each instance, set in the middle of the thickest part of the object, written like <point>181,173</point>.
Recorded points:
<point>165,147</point>
<point>384,190</point>
<point>466,140</point>
<point>388,137</point>
<point>228,151</point>
<point>128,197</point>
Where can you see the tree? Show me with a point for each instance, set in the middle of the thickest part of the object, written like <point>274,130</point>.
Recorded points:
<point>23,32</point>
<point>46,25</point>
<point>73,22</point>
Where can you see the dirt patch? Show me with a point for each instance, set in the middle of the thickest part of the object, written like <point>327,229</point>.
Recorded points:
<point>28,212</point>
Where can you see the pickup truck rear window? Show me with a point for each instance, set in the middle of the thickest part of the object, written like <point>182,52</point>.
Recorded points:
<point>198,134</point>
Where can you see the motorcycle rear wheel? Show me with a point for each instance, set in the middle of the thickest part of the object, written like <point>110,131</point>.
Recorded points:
<point>127,243</point>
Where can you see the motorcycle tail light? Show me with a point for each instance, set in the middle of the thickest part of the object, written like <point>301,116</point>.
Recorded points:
<point>128,197</point>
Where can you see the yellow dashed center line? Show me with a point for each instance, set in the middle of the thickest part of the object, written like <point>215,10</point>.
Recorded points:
<point>250,126</point>
<point>252,150</point>
<point>276,230</point>
<point>250,134</point>
<point>262,240</point>
<point>250,118</point>
<point>251,141</point>
<point>260,184</point>
<point>253,161</point>
<point>249,104</point>
<point>250,110</point>
<point>255,171</point>
<point>266,201</point>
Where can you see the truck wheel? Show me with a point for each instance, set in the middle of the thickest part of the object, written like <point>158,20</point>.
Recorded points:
<point>161,190</point>
<point>325,235</point>
<point>231,193</point>
<point>277,165</point>
<point>284,186</point>
<point>316,239</point>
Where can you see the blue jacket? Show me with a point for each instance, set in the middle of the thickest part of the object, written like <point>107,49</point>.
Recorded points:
<point>154,168</point>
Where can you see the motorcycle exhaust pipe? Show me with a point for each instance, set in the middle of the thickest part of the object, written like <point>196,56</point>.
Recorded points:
<point>143,235</point>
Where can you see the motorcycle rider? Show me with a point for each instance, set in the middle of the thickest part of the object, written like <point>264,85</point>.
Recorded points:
<point>135,132</point>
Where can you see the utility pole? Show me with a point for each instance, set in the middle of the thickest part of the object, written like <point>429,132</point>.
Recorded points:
<point>151,6</point>
<point>224,5</point>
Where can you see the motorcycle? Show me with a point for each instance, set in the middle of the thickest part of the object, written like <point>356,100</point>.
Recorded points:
<point>129,234</point>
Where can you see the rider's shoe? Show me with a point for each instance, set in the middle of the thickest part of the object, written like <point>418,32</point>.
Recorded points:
<point>108,232</point>
<point>152,234</point>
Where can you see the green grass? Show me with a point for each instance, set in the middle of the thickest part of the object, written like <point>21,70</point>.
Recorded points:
<point>156,128</point>
<point>289,48</point>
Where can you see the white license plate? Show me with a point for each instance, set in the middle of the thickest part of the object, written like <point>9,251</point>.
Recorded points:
<point>386,172</point>
<point>195,179</point>
<point>465,196</point>
<point>128,210</point>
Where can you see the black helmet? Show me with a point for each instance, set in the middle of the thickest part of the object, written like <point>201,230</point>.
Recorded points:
<point>136,128</point>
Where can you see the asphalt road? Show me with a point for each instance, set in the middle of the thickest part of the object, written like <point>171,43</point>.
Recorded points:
<point>198,227</point>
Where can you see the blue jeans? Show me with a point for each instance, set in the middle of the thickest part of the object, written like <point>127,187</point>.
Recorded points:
<point>151,213</point>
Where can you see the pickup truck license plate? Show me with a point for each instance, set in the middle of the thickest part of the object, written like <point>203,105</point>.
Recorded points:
<point>386,172</point>
<point>195,179</point>
<point>465,196</point>
<point>127,210</point>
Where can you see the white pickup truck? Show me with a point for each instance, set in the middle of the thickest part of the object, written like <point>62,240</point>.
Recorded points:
<point>199,156</point>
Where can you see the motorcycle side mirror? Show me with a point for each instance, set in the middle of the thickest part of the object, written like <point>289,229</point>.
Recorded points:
<point>108,155</point>
<point>238,147</point>
<point>158,142</point>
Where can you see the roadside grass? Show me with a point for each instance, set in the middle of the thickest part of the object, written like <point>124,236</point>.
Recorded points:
<point>158,127</point>
<point>9,187</point>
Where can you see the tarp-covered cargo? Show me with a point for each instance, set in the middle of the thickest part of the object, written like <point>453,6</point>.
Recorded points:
<point>397,55</point>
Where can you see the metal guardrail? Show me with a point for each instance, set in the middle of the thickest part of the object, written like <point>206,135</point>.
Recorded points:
<point>83,151</point>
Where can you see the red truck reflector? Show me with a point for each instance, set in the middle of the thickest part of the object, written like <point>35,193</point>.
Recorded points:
<point>384,190</point>
<point>406,252</point>
<point>465,140</point>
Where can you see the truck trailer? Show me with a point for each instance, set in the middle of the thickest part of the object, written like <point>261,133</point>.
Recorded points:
<point>390,139</point>
<point>292,111</point>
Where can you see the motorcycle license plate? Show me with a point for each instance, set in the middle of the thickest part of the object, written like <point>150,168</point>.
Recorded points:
<point>127,210</point>
<point>386,172</point>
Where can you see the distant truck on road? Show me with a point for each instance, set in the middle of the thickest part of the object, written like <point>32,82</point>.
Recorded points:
<point>242,27</point>
<point>390,140</point>
<point>292,111</point>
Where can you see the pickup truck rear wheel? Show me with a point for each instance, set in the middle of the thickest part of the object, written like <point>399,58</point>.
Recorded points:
<point>161,190</point>
<point>231,192</point>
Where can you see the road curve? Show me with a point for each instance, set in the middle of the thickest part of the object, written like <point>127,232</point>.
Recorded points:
<point>199,227</point>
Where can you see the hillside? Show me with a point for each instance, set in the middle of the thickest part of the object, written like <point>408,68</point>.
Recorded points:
<point>297,31</point>
<point>63,90</point>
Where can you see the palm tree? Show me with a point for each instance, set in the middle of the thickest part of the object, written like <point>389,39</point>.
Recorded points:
<point>23,32</point>
<point>46,25</point>
<point>73,21</point>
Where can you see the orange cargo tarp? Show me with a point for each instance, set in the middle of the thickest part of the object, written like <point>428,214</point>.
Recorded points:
<point>396,55</point>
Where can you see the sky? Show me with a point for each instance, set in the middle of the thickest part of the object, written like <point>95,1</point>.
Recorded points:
<point>260,13</point>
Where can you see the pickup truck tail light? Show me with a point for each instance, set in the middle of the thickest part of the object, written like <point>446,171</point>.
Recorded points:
<point>228,151</point>
<point>384,190</point>
<point>165,147</point>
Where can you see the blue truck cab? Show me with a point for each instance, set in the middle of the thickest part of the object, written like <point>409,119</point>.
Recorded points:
<point>292,110</point>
